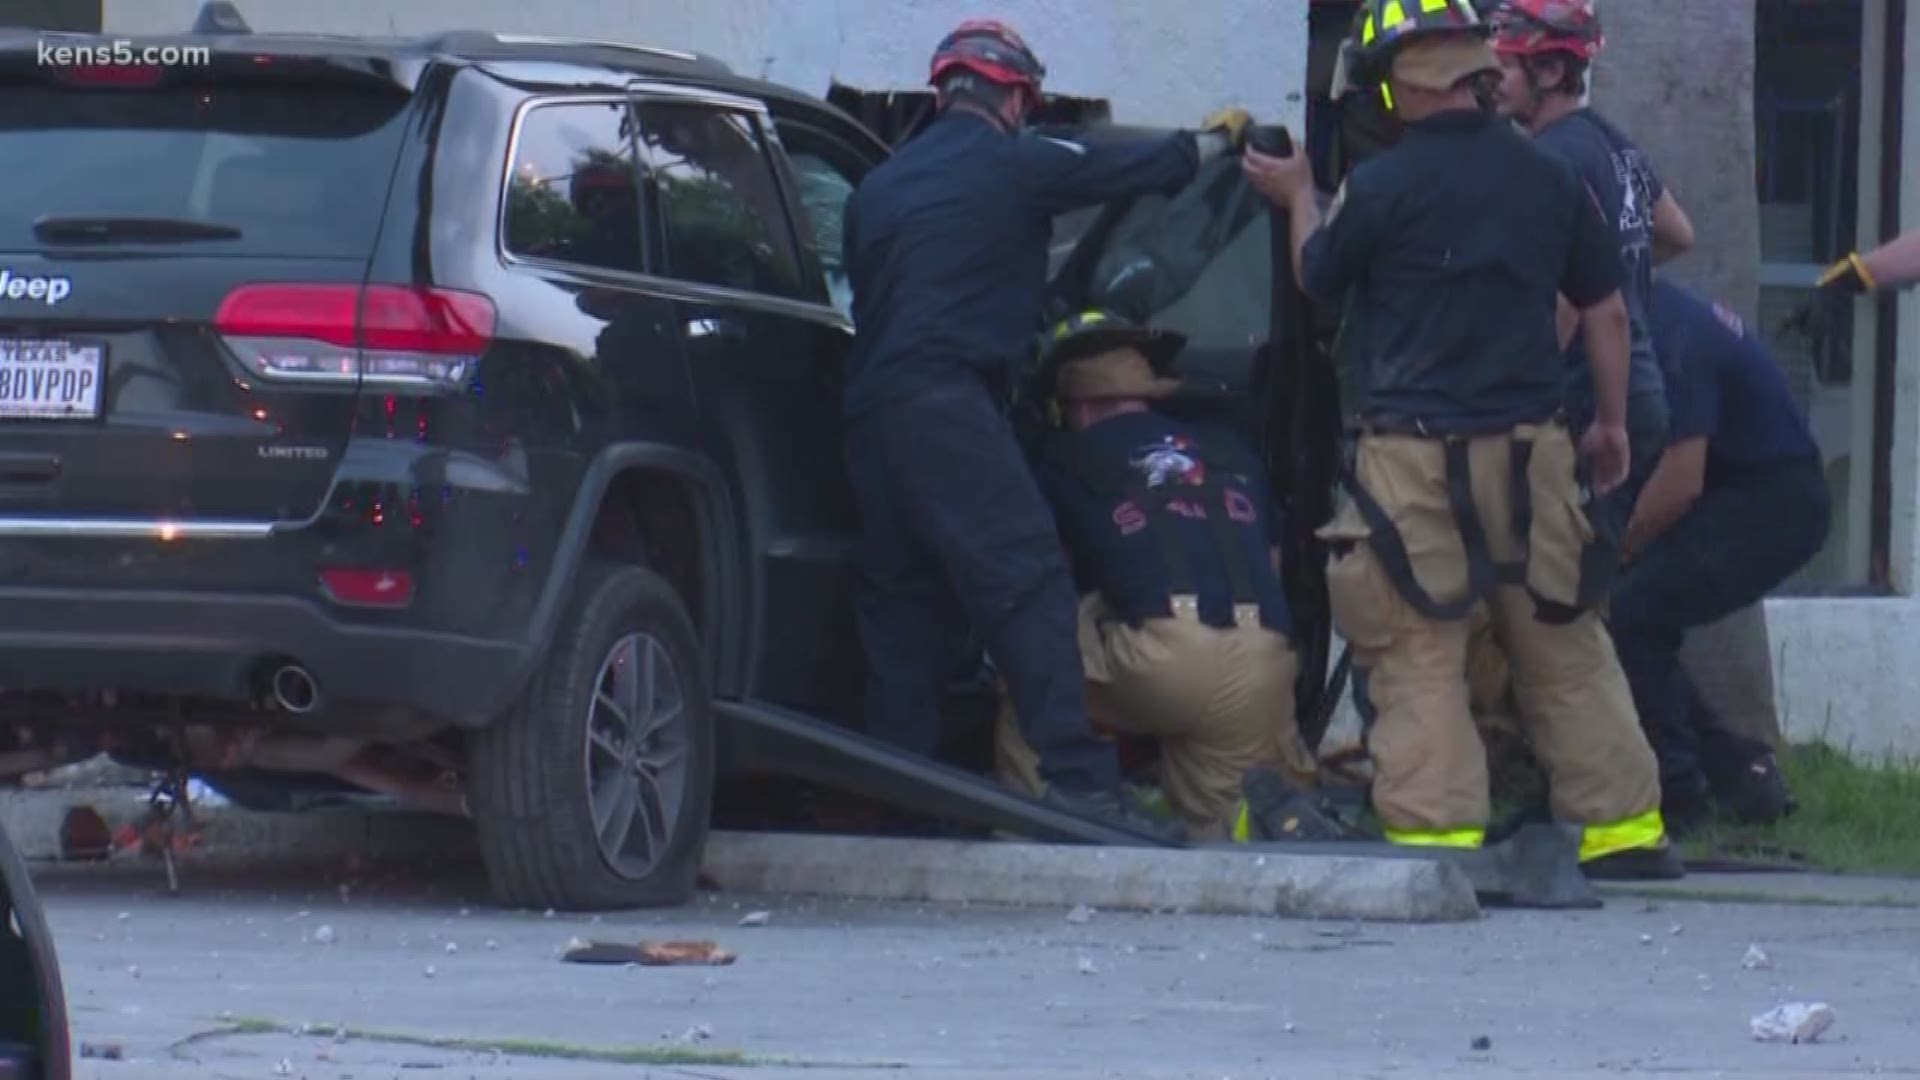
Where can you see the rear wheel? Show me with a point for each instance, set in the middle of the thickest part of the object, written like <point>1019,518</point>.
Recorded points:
<point>596,791</point>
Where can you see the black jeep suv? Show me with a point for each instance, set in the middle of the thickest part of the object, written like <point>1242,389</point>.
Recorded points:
<point>452,418</point>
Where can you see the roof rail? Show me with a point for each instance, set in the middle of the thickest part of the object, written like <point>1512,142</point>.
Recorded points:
<point>650,50</point>
<point>220,17</point>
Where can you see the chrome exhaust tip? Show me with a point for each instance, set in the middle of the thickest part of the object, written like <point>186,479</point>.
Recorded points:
<point>294,690</point>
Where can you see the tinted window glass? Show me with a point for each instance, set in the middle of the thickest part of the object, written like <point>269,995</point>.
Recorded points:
<point>1199,262</point>
<point>726,223</point>
<point>298,171</point>
<point>824,191</point>
<point>571,193</point>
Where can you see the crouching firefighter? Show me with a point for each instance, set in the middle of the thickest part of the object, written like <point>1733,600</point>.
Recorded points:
<point>1465,483</point>
<point>1184,628</point>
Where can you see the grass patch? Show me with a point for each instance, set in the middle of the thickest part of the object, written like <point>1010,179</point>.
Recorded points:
<point>1853,817</point>
<point>530,1048</point>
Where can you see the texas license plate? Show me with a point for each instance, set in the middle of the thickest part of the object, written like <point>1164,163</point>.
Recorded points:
<point>50,379</point>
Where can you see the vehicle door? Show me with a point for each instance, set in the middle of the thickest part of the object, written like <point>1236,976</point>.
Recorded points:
<point>1211,261</point>
<point>765,348</point>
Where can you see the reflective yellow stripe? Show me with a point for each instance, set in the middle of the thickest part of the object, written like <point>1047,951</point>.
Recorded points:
<point>1642,831</point>
<point>1386,94</point>
<point>1393,16</point>
<point>1430,6</point>
<point>1243,824</point>
<point>1453,838</point>
<point>1367,30</point>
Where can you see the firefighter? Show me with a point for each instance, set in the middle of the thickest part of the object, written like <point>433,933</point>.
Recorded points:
<point>1738,503</point>
<point>1465,486</point>
<point>1184,628</point>
<point>1546,50</point>
<point>946,248</point>
<point>1893,265</point>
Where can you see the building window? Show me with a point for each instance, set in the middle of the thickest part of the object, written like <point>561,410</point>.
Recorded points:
<point>1808,131</point>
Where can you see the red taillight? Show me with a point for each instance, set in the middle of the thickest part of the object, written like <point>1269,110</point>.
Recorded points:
<point>385,336</point>
<point>128,75</point>
<point>368,588</point>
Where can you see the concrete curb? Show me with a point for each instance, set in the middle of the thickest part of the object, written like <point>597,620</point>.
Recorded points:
<point>1213,881</point>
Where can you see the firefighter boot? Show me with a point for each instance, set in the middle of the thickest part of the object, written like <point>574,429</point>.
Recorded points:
<point>1271,809</point>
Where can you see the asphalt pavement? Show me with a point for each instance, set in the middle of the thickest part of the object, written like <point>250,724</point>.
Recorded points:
<point>290,975</point>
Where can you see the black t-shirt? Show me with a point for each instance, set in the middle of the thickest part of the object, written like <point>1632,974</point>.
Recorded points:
<point>1115,548</point>
<point>1454,245</point>
<point>1726,387</point>
<point>1625,187</point>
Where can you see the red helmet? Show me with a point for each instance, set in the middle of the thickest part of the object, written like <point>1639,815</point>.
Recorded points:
<point>991,50</point>
<point>1539,27</point>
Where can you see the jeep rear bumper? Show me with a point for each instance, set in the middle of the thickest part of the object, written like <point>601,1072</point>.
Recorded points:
<point>222,645</point>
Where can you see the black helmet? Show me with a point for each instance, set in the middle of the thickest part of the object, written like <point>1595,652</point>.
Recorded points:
<point>1383,26</point>
<point>1091,333</point>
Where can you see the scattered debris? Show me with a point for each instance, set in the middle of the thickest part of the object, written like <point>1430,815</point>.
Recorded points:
<point>492,945</point>
<point>324,935</point>
<point>1338,931</point>
<point>452,948</point>
<point>85,836</point>
<point>432,971</point>
<point>1081,915</point>
<point>647,953</point>
<point>1675,929</point>
<point>697,1033</point>
<point>124,916</point>
<point>1646,939</point>
<point>103,1051</point>
<point>1289,1027</point>
<point>284,1068</point>
<point>133,970</point>
<point>548,915</point>
<point>1756,959</point>
<point>1481,1042</point>
<point>756,918</point>
<point>1087,967</point>
<point>1798,1022</point>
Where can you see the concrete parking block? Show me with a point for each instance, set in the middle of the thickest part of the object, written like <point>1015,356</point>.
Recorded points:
<point>1211,881</point>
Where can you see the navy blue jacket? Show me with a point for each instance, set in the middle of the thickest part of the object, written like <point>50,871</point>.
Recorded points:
<point>946,246</point>
<point>1111,537</point>
<point>1727,387</point>
<point>1454,245</point>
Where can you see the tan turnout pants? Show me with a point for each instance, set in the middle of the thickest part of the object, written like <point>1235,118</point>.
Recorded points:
<point>1220,701</point>
<point>1567,689</point>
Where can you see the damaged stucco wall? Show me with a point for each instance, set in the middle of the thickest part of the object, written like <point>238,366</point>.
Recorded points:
<point>1157,62</point>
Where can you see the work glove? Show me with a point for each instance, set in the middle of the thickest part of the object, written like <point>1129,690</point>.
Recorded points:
<point>1233,123</point>
<point>1849,277</point>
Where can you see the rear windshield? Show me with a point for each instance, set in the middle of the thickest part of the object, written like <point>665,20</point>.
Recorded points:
<point>299,170</point>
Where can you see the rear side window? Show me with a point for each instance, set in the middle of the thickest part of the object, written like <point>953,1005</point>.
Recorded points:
<point>572,195</point>
<point>726,221</point>
<point>298,171</point>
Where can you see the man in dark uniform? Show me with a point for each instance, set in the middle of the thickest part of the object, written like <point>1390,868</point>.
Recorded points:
<point>1546,48</point>
<point>946,248</point>
<point>1457,243</point>
<point>1738,503</point>
<point>1184,628</point>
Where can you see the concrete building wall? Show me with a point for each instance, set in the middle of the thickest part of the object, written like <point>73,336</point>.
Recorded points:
<point>1157,62</point>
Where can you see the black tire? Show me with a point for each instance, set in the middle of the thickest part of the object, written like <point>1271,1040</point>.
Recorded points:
<point>529,784</point>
